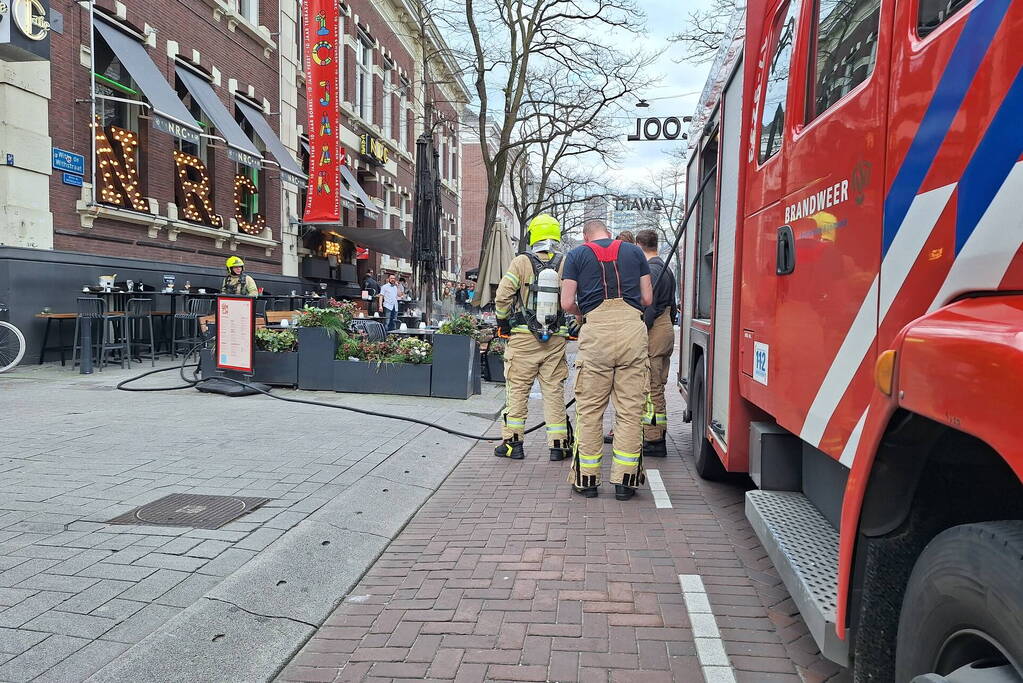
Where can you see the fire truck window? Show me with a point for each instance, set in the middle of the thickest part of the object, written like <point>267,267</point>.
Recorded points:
<point>934,12</point>
<point>772,118</point>
<point>708,215</point>
<point>846,49</point>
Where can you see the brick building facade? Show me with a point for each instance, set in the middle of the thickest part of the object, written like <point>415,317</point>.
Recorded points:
<point>474,196</point>
<point>200,147</point>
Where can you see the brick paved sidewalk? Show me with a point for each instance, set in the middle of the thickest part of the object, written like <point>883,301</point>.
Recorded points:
<point>505,575</point>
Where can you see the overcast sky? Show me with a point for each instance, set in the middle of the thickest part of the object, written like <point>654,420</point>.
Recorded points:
<point>664,17</point>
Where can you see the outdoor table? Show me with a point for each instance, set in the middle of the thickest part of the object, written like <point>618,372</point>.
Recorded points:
<point>414,333</point>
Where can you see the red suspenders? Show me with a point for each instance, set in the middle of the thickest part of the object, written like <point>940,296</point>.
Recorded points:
<point>605,255</point>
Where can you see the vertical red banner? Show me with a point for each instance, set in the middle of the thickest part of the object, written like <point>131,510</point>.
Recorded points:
<point>323,61</point>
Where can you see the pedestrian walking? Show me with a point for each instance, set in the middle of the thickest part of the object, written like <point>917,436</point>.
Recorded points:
<point>389,302</point>
<point>658,317</point>
<point>460,297</point>
<point>626,236</point>
<point>607,283</point>
<point>529,313</point>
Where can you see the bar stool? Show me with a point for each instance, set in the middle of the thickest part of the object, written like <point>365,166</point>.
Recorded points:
<point>95,309</point>
<point>259,310</point>
<point>137,315</point>
<point>195,310</point>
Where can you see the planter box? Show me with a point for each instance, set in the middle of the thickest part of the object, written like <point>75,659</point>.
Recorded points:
<point>363,377</point>
<point>316,348</point>
<point>495,367</point>
<point>456,364</point>
<point>276,368</point>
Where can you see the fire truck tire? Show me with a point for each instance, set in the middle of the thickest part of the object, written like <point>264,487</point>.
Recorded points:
<point>963,604</point>
<point>706,461</point>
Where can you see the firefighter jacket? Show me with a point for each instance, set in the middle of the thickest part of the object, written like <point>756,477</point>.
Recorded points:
<point>664,292</point>
<point>513,292</point>
<point>239,285</point>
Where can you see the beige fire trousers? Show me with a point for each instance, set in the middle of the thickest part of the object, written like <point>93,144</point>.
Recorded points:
<point>526,358</point>
<point>612,365</point>
<point>660,346</point>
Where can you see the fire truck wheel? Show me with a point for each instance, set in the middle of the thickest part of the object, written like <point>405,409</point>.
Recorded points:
<point>963,607</point>
<point>708,466</point>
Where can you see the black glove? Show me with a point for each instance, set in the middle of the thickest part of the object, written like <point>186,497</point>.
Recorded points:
<point>573,331</point>
<point>504,328</point>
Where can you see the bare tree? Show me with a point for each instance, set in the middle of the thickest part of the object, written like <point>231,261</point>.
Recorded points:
<point>704,30</point>
<point>517,43</point>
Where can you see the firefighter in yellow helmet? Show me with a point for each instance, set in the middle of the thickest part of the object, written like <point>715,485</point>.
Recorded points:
<point>607,281</point>
<point>528,311</point>
<point>237,283</point>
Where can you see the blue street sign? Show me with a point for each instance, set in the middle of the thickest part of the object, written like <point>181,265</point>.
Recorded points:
<point>72,179</point>
<point>10,159</point>
<point>64,160</point>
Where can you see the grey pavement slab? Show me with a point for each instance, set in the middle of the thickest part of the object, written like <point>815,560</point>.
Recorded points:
<point>211,641</point>
<point>68,573</point>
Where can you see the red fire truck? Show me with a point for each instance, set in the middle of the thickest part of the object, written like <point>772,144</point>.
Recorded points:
<point>852,332</point>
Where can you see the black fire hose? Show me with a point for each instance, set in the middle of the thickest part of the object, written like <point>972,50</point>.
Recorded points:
<point>194,382</point>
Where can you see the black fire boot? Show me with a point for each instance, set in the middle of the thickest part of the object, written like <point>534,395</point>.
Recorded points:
<point>510,448</point>
<point>586,487</point>
<point>623,492</point>
<point>655,449</point>
<point>559,451</point>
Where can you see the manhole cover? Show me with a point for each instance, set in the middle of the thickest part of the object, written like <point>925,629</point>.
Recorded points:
<point>191,510</point>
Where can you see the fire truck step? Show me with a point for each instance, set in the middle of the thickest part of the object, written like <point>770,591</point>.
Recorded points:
<point>804,549</point>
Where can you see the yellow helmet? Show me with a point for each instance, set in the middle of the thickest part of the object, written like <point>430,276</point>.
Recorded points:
<point>233,261</point>
<point>544,227</point>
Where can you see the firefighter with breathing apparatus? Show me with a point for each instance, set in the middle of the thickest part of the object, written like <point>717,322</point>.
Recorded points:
<point>237,283</point>
<point>529,314</point>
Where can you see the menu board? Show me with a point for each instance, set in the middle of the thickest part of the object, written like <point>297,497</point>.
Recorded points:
<point>235,331</point>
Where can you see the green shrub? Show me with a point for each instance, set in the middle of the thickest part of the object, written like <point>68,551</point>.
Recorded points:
<point>277,341</point>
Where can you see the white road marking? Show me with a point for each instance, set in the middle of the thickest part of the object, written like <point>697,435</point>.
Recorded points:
<point>917,226</point>
<point>661,498</point>
<point>710,649</point>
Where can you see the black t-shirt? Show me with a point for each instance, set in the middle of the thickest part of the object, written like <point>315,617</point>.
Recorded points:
<point>582,266</point>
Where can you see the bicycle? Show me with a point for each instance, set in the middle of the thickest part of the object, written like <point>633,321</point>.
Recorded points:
<point>12,343</point>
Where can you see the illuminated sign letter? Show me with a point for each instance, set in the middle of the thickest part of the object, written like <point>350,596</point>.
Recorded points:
<point>118,169</point>
<point>244,191</point>
<point>192,191</point>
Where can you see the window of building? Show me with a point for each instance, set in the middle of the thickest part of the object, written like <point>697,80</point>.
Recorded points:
<point>387,96</point>
<point>772,118</point>
<point>249,9</point>
<point>342,57</point>
<point>202,150</point>
<point>113,80</point>
<point>846,46</point>
<point>403,128</point>
<point>933,13</point>
<point>364,79</point>
<point>256,175</point>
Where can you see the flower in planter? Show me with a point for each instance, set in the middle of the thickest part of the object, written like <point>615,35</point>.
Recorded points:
<point>498,346</point>
<point>345,309</point>
<point>463,324</point>
<point>330,319</point>
<point>276,341</point>
<point>349,348</point>
<point>415,351</point>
